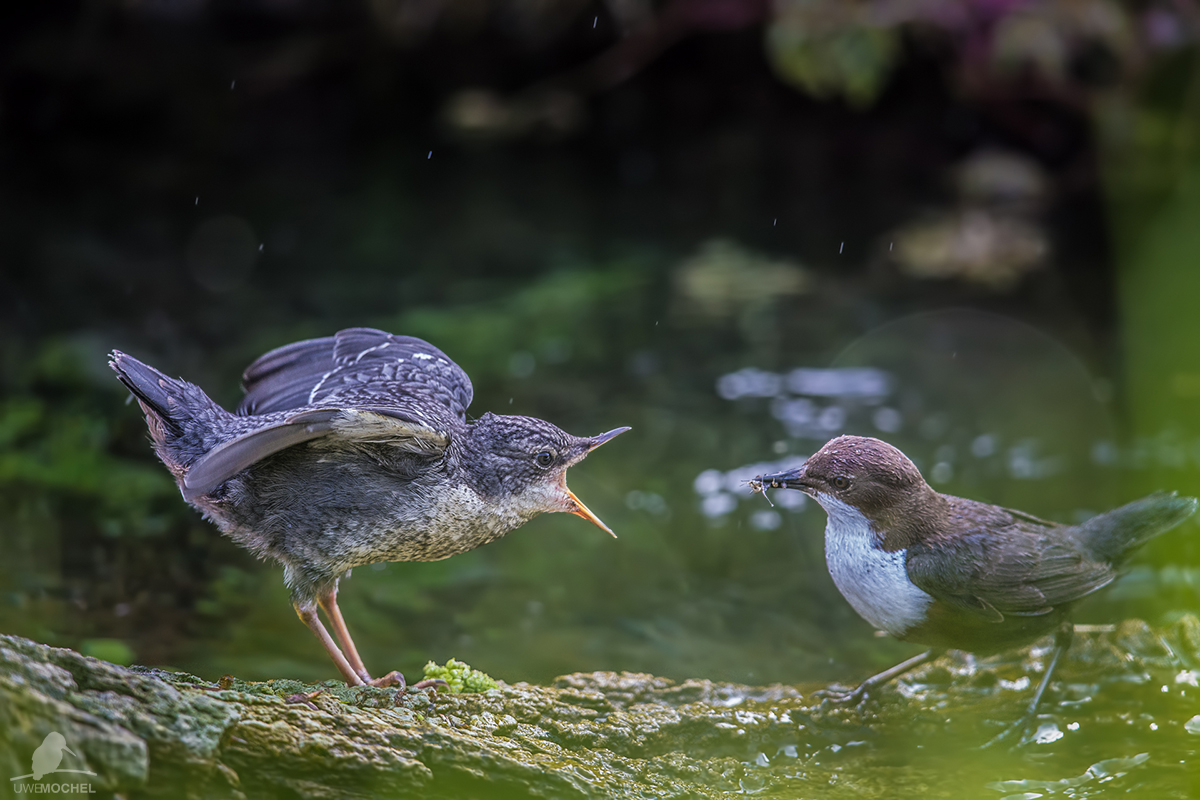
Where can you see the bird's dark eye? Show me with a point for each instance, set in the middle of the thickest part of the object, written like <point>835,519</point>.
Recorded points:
<point>841,482</point>
<point>545,458</point>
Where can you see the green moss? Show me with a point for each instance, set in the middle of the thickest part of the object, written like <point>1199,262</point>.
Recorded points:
<point>460,677</point>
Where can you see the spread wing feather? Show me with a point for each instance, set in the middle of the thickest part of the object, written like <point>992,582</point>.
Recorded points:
<point>284,378</point>
<point>361,384</point>
<point>354,368</point>
<point>1007,564</point>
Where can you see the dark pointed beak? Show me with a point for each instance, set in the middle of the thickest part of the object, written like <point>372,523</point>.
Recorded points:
<point>596,441</point>
<point>791,479</point>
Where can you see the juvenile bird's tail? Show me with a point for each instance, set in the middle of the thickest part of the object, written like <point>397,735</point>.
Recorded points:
<point>1114,535</point>
<point>183,420</point>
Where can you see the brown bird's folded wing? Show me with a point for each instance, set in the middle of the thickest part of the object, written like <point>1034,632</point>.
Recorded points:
<point>1008,564</point>
<point>357,367</point>
<point>364,425</point>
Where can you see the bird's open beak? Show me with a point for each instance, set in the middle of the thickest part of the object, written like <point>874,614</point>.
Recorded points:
<point>580,509</point>
<point>583,511</point>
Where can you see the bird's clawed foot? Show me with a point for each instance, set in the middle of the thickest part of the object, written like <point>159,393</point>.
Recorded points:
<point>856,696</point>
<point>1062,642</point>
<point>859,694</point>
<point>1013,732</point>
<point>396,679</point>
<point>393,678</point>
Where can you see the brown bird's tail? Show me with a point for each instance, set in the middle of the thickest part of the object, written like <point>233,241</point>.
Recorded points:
<point>1114,535</point>
<point>181,417</point>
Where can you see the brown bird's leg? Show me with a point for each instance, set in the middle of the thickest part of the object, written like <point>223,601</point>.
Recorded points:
<point>329,605</point>
<point>1062,642</point>
<point>308,615</point>
<point>860,693</point>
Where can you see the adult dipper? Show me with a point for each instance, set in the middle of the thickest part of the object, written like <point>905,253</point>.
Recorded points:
<point>354,449</point>
<point>955,573</point>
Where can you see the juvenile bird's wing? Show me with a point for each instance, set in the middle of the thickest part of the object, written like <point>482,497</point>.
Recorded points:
<point>357,367</point>
<point>1006,563</point>
<point>402,431</point>
<point>362,385</point>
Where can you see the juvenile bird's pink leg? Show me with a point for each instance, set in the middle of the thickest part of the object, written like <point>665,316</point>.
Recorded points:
<point>308,615</point>
<point>329,605</point>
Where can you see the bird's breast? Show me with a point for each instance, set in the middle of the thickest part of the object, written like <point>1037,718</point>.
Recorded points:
<point>874,581</point>
<point>442,523</point>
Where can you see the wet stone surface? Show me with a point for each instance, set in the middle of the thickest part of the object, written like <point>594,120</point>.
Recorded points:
<point>1121,718</point>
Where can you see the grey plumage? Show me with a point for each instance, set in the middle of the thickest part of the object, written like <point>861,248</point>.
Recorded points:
<point>353,449</point>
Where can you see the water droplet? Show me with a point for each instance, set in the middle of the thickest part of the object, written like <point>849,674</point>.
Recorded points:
<point>718,505</point>
<point>983,445</point>
<point>752,784</point>
<point>887,419</point>
<point>709,482</point>
<point>1047,732</point>
<point>522,364</point>
<point>766,520</point>
<point>1192,725</point>
<point>1115,767</point>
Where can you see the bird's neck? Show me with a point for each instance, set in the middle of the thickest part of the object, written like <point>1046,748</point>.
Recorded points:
<point>498,506</point>
<point>919,515</point>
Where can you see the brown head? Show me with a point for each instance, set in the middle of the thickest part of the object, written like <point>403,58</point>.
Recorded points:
<point>875,478</point>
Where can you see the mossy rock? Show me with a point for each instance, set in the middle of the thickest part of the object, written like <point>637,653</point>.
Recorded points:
<point>148,733</point>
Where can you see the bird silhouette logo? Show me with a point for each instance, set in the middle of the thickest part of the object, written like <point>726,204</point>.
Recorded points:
<point>49,755</point>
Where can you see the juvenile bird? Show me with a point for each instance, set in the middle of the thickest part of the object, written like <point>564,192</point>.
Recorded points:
<point>350,450</point>
<point>955,573</point>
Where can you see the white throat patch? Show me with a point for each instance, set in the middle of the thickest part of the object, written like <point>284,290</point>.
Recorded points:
<point>874,581</point>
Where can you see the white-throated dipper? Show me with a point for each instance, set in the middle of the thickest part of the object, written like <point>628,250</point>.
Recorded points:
<point>953,573</point>
<point>350,450</point>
